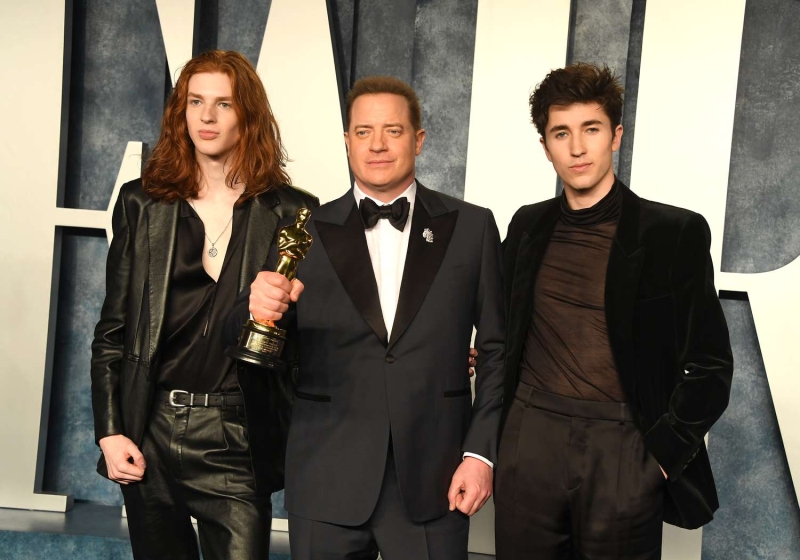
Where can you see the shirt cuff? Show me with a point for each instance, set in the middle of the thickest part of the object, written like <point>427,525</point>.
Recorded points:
<point>479,458</point>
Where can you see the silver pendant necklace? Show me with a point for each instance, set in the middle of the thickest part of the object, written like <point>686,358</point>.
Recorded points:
<point>212,252</point>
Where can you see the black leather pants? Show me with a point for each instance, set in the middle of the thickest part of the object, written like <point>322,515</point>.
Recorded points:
<point>198,464</point>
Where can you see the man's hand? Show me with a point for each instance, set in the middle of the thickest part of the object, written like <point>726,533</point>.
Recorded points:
<point>473,361</point>
<point>270,294</point>
<point>119,451</point>
<point>471,486</point>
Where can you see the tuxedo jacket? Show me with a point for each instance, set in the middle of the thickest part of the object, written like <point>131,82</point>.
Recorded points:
<point>666,329</point>
<point>128,336</point>
<point>358,389</point>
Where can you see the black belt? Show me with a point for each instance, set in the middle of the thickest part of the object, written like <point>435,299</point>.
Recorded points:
<point>569,406</point>
<point>182,399</point>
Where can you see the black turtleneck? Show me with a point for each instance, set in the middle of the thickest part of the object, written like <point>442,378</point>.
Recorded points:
<point>566,349</point>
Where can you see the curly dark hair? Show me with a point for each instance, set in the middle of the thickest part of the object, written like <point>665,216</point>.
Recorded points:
<point>577,83</point>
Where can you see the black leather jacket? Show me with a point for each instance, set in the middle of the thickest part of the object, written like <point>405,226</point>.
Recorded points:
<point>127,337</point>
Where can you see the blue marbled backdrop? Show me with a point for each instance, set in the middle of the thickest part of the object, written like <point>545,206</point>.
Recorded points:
<point>118,86</point>
<point>758,515</point>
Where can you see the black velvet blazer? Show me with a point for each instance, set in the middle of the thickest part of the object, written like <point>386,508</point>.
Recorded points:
<point>666,328</point>
<point>128,335</point>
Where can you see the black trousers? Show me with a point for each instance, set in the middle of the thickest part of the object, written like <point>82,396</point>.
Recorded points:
<point>574,481</point>
<point>388,531</point>
<point>198,464</point>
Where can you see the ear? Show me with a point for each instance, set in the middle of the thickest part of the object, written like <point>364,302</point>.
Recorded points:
<point>347,143</point>
<point>617,140</point>
<point>546,151</point>
<point>419,140</point>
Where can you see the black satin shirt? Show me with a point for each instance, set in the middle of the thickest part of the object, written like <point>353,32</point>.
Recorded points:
<point>193,358</point>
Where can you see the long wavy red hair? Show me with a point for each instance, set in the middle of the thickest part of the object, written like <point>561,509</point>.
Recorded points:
<point>258,161</point>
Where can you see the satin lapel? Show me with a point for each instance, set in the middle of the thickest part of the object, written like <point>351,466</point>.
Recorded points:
<point>162,229</point>
<point>622,282</point>
<point>423,259</point>
<point>532,248</point>
<point>260,228</point>
<point>346,246</point>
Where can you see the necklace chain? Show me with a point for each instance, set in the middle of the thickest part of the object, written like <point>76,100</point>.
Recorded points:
<point>212,252</point>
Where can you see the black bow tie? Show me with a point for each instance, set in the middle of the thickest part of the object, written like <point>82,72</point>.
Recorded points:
<point>396,213</point>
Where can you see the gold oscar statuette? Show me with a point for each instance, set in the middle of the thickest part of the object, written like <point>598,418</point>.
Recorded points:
<point>261,343</point>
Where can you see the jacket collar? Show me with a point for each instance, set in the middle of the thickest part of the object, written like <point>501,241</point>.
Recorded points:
<point>423,259</point>
<point>627,234</point>
<point>337,211</point>
<point>262,222</point>
<point>342,234</point>
<point>162,230</point>
<point>622,282</point>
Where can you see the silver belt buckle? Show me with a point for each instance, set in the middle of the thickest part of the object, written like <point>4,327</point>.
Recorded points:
<point>172,398</point>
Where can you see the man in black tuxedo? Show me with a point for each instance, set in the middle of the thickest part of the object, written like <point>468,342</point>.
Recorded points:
<point>387,450</point>
<point>618,358</point>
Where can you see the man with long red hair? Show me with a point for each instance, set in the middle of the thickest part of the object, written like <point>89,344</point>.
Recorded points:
<point>183,429</point>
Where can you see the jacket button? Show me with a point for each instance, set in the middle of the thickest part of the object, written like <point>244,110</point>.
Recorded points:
<point>389,359</point>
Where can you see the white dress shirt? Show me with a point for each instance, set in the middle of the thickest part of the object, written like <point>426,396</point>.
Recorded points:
<point>387,251</point>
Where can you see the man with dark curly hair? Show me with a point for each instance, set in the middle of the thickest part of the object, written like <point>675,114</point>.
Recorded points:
<point>618,359</point>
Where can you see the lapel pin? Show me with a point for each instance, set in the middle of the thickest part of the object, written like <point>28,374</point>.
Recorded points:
<point>428,235</point>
